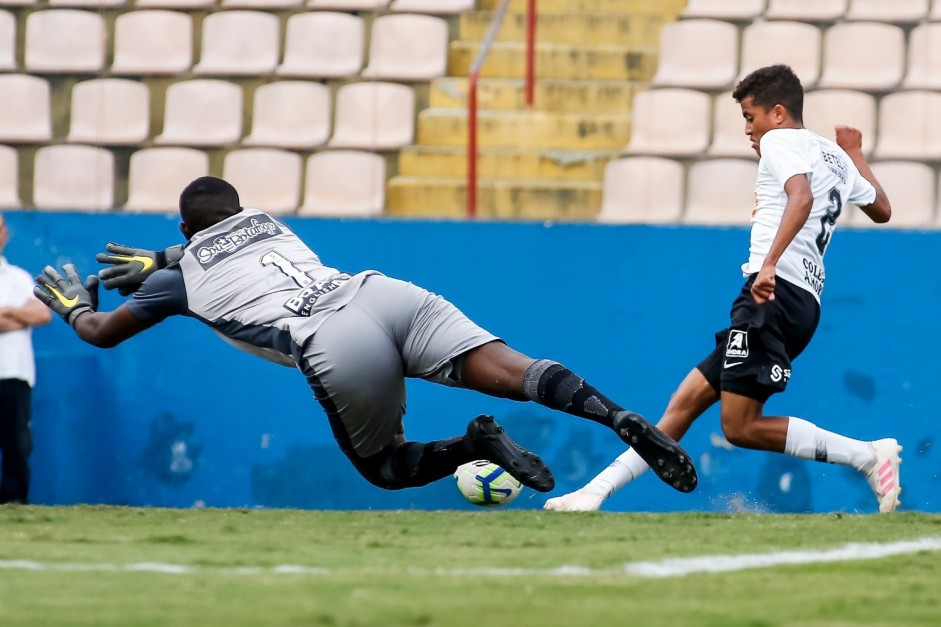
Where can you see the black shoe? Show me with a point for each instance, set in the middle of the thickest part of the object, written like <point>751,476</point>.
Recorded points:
<point>493,444</point>
<point>667,458</point>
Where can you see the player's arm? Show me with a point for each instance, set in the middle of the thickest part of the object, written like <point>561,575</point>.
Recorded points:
<point>800,199</point>
<point>129,267</point>
<point>851,140</point>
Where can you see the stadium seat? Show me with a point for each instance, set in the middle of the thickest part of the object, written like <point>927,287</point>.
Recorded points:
<point>908,127</point>
<point>935,13</point>
<point>407,47</point>
<point>18,3</point>
<point>262,5</point>
<point>267,178</point>
<point>109,111</point>
<point>896,11</point>
<point>344,183</point>
<point>239,43</point>
<point>24,109</point>
<point>348,5</point>
<point>444,7</point>
<point>910,188</point>
<point>644,190</point>
<point>290,114</point>
<point>796,44</point>
<point>90,4</point>
<point>806,10</point>
<point>157,176</point>
<point>736,10</point>
<point>700,54</point>
<point>669,122</point>
<point>173,4</point>
<point>202,112</point>
<point>72,177</point>
<point>728,130</point>
<point>924,57</point>
<point>863,55</point>
<point>7,41</point>
<point>9,178</point>
<point>824,109</point>
<point>323,44</point>
<point>65,41</point>
<point>373,116</point>
<point>152,41</point>
<point>721,192</point>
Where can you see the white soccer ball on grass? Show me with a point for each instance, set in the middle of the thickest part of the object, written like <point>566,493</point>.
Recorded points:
<point>486,484</point>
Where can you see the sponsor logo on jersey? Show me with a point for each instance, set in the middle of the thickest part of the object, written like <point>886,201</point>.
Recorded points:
<point>836,165</point>
<point>247,231</point>
<point>302,303</point>
<point>814,276</point>
<point>737,345</point>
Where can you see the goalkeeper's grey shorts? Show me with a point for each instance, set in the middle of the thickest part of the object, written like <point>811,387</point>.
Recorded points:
<point>358,359</point>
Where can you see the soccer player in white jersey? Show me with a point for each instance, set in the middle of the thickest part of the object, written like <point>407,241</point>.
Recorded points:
<point>355,338</point>
<point>803,182</point>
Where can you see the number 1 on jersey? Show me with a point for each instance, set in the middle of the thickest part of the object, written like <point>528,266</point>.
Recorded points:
<point>285,266</point>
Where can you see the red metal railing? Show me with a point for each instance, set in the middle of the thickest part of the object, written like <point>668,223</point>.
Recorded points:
<point>472,89</point>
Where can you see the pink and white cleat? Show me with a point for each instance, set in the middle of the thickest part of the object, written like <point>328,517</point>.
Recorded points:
<point>883,476</point>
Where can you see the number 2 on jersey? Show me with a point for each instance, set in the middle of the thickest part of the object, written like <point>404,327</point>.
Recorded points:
<point>828,220</point>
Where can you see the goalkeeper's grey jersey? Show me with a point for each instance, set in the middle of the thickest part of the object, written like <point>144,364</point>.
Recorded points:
<point>254,282</point>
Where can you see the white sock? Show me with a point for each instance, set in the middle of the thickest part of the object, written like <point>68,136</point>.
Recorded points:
<point>807,441</point>
<point>627,467</point>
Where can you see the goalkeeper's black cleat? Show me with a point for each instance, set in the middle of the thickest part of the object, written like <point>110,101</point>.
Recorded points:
<point>661,452</point>
<point>493,444</point>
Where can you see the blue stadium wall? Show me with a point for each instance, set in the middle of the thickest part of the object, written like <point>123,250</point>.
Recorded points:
<point>177,418</point>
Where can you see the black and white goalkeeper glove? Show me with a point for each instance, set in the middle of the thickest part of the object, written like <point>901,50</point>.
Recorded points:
<point>130,266</point>
<point>67,296</point>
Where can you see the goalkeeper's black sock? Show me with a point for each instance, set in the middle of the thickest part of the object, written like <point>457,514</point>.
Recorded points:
<point>414,464</point>
<point>555,386</point>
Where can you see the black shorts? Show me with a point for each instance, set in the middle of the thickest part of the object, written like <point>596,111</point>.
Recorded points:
<point>753,356</point>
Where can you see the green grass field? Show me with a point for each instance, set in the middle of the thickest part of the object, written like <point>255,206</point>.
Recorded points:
<point>99,566</point>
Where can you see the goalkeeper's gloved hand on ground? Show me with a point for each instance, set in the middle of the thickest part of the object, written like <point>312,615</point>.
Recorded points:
<point>67,296</point>
<point>130,266</point>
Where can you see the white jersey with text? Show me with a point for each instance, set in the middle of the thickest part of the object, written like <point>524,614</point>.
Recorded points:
<point>834,181</point>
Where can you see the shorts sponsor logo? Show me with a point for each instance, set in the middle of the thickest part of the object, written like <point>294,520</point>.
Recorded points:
<point>778,373</point>
<point>737,345</point>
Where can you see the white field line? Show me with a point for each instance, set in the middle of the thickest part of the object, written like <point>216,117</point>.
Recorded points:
<point>670,567</point>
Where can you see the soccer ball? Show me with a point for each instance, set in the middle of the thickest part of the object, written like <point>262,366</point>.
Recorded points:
<point>486,484</point>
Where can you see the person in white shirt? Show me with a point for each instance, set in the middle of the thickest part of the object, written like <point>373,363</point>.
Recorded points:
<point>803,182</point>
<point>19,312</point>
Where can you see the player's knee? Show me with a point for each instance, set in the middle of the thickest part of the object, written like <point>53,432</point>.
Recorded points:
<point>736,431</point>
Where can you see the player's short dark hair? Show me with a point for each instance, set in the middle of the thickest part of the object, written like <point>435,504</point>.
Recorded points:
<point>773,85</point>
<point>206,201</point>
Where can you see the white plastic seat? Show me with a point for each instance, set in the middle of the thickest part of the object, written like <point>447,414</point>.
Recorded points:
<point>290,114</point>
<point>910,188</point>
<point>152,41</point>
<point>344,183</point>
<point>894,11</point>
<point>24,109</point>
<point>721,192</point>
<point>89,4</point>
<point>643,190</point>
<point>7,41</point>
<point>73,177</point>
<point>64,41</point>
<point>407,47</point>
<point>728,130</point>
<point>444,7</point>
<point>737,10</point>
<point>18,3</point>
<point>796,44</point>
<point>239,43</point>
<point>701,54</point>
<point>669,122</point>
<point>9,178</point>
<point>157,176</point>
<point>348,5</point>
<point>924,57</point>
<point>173,4</point>
<point>110,111</point>
<point>373,116</point>
<point>323,44</point>
<point>267,178</point>
<point>262,5</point>
<point>908,126</point>
<point>935,13</point>
<point>824,109</point>
<point>806,10</point>
<point>202,112</point>
<point>863,55</point>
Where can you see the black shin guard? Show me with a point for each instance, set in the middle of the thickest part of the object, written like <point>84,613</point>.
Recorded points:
<point>414,464</point>
<point>555,386</point>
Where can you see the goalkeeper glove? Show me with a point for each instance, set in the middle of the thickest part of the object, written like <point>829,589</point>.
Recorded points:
<point>67,296</point>
<point>130,266</point>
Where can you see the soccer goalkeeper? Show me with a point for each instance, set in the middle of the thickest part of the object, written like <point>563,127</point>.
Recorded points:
<point>355,338</point>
